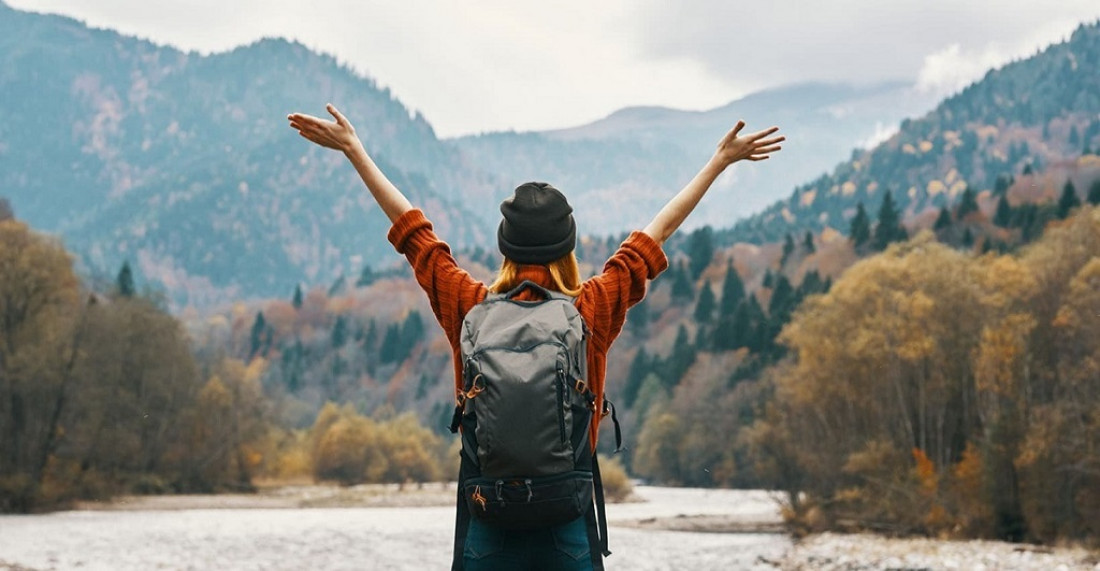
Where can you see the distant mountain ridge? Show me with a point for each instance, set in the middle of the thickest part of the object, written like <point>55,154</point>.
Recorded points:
<point>630,162</point>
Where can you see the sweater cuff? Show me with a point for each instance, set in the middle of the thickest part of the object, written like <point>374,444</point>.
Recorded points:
<point>650,251</point>
<point>405,226</point>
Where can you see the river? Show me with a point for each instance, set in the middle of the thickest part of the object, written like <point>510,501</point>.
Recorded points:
<point>397,538</point>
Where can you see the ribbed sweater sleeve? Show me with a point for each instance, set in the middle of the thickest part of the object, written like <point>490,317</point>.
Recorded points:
<point>605,298</point>
<point>451,290</point>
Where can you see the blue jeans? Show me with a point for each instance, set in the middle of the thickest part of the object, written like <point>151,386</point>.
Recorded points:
<point>563,548</point>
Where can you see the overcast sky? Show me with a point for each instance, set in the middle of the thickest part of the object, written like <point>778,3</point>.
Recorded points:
<point>523,64</point>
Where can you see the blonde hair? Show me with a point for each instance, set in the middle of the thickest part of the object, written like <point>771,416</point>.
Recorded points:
<point>564,272</point>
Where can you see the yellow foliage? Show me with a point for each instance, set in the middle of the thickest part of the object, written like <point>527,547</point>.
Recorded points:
<point>255,370</point>
<point>936,187</point>
<point>215,395</point>
<point>616,483</point>
<point>997,367</point>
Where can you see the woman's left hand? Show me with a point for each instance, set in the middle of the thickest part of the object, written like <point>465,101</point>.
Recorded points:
<point>756,146</point>
<point>339,134</point>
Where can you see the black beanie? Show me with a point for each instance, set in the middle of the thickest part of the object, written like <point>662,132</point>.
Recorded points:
<point>538,225</point>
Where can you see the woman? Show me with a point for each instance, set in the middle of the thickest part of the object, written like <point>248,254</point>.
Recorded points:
<point>537,235</point>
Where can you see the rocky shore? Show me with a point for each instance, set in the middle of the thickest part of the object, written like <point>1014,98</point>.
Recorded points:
<point>836,552</point>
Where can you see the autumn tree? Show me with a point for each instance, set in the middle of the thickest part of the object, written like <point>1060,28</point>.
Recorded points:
<point>40,342</point>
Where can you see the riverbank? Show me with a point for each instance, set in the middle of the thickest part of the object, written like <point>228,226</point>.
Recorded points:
<point>391,527</point>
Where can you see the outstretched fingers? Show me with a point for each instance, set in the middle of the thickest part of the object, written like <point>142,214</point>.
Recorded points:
<point>761,134</point>
<point>340,119</point>
<point>732,133</point>
<point>769,142</point>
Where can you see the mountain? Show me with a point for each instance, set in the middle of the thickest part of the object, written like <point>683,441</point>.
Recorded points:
<point>183,163</point>
<point>619,170</point>
<point>999,134</point>
<point>713,318</point>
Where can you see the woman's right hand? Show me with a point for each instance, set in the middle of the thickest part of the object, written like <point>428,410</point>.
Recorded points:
<point>339,134</point>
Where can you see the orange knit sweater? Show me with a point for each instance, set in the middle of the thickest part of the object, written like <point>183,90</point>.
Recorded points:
<point>602,303</point>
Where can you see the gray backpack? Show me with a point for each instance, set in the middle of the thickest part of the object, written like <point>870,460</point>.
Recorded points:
<point>525,412</point>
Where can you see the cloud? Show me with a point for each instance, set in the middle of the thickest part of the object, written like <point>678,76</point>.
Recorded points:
<point>950,69</point>
<point>532,64</point>
<point>850,40</point>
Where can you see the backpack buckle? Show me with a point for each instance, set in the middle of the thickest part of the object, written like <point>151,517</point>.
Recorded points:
<point>476,386</point>
<point>606,408</point>
<point>580,386</point>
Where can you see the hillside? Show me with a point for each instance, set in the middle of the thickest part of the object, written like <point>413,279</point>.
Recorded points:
<point>1018,120</point>
<point>183,164</point>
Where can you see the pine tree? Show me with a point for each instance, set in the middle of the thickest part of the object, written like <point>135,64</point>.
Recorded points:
<point>860,230</point>
<point>705,305</point>
<point>296,301</point>
<point>700,250</point>
<point>742,326</point>
<point>783,300</point>
<point>682,289</point>
<point>788,249</point>
<point>639,368</point>
<point>681,359</point>
<point>257,335</point>
<point>733,291</point>
<point>769,279</point>
<point>889,228</point>
<point>1068,200</point>
<point>1002,184</point>
<point>412,331</point>
<point>1094,193</point>
<point>808,242</point>
<point>339,332</point>
<point>6,212</point>
<point>1003,215</point>
<point>967,238</point>
<point>638,318</point>
<point>366,277</point>
<point>125,281</point>
<point>1074,136</point>
<point>391,344</point>
<point>967,204</point>
<point>943,221</point>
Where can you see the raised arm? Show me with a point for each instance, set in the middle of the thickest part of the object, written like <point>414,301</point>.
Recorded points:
<point>340,135</point>
<point>732,148</point>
